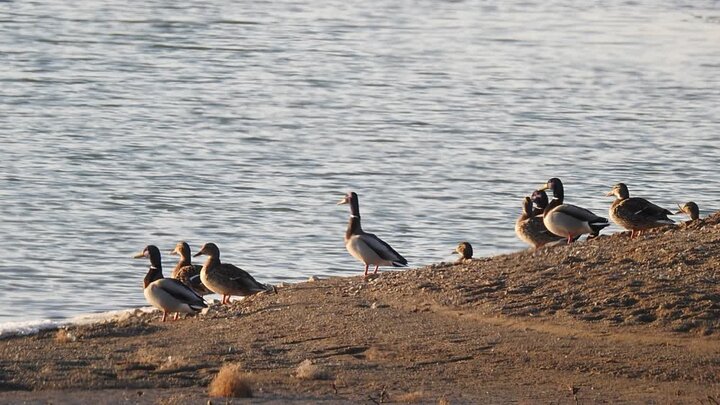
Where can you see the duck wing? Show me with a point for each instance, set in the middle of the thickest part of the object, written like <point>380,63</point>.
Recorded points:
<point>580,213</point>
<point>181,292</point>
<point>642,209</point>
<point>242,279</point>
<point>382,249</point>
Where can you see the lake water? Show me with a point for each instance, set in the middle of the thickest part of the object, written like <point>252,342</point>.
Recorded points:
<point>244,123</point>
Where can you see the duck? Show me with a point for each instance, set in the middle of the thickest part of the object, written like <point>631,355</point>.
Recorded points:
<point>364,246</point>
<point>167,294</point>
<point>226,279</point>
<point>567,220</point>
<point>530,228</point>
<point>691,209</point>
<point>540,199</point>
<point>465,250</point>
<point>187,272</point>
<point>636,214</point>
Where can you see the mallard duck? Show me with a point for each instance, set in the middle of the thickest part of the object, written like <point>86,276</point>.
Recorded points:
<point>465,250</point>
<point>540,198</point>
<point>187,272</point>
<point>691,209</point>
<point>364,246</point>
<point>636,214</point>
<point>569,220</point>
<point>530,228</point>
<point>167,294</point>
<point>226,279</point>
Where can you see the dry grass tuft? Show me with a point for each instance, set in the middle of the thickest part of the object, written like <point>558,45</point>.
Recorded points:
<point>231,381</point>
<point>309,371</point>
<point>64,336</point>
<point>409,397</point>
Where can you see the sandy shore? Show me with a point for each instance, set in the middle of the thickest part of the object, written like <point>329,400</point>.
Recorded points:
<point>608,320</point>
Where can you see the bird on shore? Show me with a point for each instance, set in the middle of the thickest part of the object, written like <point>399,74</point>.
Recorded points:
<point>364,246</point>
<point>691,209</point>
<point>634,213</point>
<point>567,220</point>
<point>530,228</point>
<point>187,272</point>
<point>167,294</point>
<point>465,250</point>
<point>226,279</point>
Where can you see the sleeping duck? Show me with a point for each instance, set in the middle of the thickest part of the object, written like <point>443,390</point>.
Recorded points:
<point>691,209</point>
<point>187,272</point>
<point>167,294</point>
<point>567,220</point>
<point>364,246</point>
<point>465,250</point>
<point>636,214</point>
<point>531,229</point>
<point>226,279</point>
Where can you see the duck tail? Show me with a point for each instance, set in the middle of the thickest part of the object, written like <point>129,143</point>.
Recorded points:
<point>598,224</point>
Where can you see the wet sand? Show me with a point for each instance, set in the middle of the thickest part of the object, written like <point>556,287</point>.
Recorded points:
<point>609,320</point>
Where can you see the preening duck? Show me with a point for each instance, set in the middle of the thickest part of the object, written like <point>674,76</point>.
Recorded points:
<point>691,209</point>
<point>569,220</point>
<point>530,228</point>
<point>167,294</point>
<point>226,279</point>
<point>465,250</point>
<point>636,214</point>
<point>187,272</point>
<point>364,246</point>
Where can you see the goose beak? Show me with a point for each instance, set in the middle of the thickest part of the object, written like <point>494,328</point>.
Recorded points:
<point>345,200</point>
<point>139,255</point>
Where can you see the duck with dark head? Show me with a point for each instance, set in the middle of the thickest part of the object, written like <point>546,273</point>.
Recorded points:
<point>567,220</point>
<point>691,210</point>
<point>167,294</point>
<point>364,246</point>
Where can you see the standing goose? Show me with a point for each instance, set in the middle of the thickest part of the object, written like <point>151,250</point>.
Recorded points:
<point>636,214</point>
<point>167,294</point>
<point>187,272</point>
<point>465,250</point>
<point>569,220</point>
<point>226,279</point>
<point>364,246</point>
<point>691,209</point>
<point>530,228</point>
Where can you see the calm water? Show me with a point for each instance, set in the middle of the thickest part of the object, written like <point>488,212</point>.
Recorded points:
<point>243,124</point>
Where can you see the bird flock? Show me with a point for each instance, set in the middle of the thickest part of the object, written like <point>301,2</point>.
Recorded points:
<point>542,222</point>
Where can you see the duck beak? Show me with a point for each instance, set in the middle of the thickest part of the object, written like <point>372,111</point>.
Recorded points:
<point>198,254</point>
<point>345,200</point>
<point>609,194</point>
<point>543,187</point>
<point>139,255</point>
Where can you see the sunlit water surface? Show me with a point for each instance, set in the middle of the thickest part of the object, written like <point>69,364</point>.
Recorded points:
<point>243,124</point>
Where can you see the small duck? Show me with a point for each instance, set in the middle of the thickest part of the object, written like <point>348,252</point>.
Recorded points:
<point>364,246</point>
<point>691,209</point>
<point>636,214</point>
<point>167,294</point>
<point>187,272</point>
<point>567,220</point>
<point>465,250</point>
<point>530,228</point>
<point>226,279</point>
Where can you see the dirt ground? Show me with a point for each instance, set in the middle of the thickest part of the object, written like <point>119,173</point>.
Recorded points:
<point>610,320</point>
